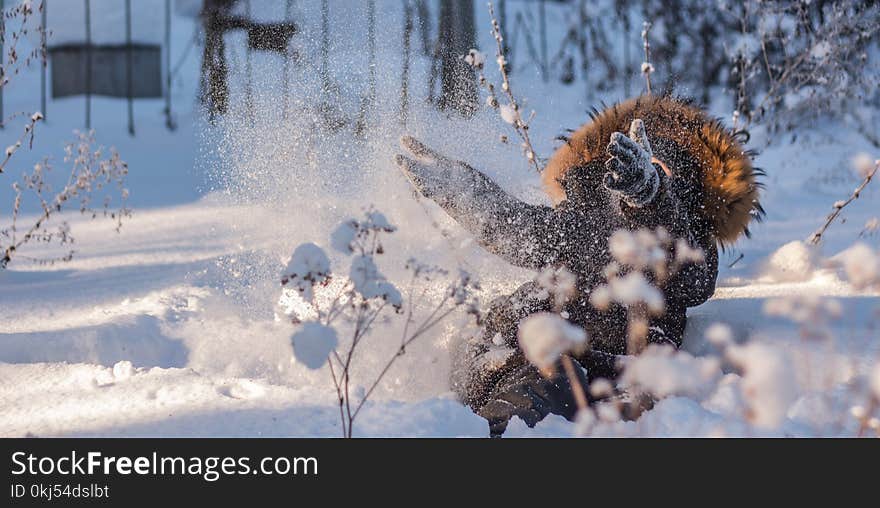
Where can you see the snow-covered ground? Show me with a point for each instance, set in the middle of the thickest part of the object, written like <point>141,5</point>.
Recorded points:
<point>172,326</point>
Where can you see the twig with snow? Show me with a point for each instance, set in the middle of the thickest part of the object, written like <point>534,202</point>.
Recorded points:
<point>638,255</point>
<point>548,337</point>
<point>511,112</point>
<point>868,170</point>
<point>28,133</point>
<point>90,173</point>
<point>11,63</point>
<point>361,302</point>
<point>647,67</point>
<point>871,226</point>
<point>737,260</point>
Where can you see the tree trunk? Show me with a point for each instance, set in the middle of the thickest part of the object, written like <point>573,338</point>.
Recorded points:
<point>214,89</point>
<point>407,45</point>
<point>458,81</point>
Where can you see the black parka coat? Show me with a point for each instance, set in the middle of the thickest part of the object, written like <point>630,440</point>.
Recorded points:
<point>707,196</point>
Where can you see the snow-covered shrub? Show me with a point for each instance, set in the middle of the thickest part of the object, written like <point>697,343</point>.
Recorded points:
<point>308,266</point>
<point>663,371</point>
<point>640,250</point>
<point>558,284</point>
<point>630,290</point>
<point>313,343</point>
<point>798,58</point>
<point>861,265</point>
<point>545,336</point>
<point>651,252</point>
<point>769,384</point>
<point>331,326</point>
<point>643,261</point>
<point>776,61</point>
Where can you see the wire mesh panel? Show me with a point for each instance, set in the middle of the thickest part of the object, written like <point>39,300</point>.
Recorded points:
<point>103,70</point>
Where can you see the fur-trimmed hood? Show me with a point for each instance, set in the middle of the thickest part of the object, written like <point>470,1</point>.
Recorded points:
<point>729,191</point>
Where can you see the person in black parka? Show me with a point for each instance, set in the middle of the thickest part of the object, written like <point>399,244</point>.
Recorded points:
<point>648,162</point>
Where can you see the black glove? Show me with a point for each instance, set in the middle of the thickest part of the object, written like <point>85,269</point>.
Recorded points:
<point>630,171</point>
<point>432,174</point>
<point>524,392</point>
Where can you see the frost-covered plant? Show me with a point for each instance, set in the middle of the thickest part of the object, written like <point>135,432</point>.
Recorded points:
<point>647,66</point>
<point>544,337</point>
<point>798,57</point>
<point>862,266</point>
<point>776,60</point>
<point>769,380</point>
<point>769,385</point>
<point>360,300</point>
<point>547,338</point>
<point>663,371</point>
<point>12,61</point>
<point>307,267</point>
<point>643,261</point>
<point>558,284</point>
<point>632,289</point>
<point>660,371</point>
<point>511,111</point>
<point>93,170</point>
<point>866,169</point>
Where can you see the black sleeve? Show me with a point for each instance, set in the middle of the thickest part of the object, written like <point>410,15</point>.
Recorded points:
<point>690,284</point>
<point>522,234</point>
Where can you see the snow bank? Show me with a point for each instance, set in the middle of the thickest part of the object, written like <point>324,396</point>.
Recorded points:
<point>793,262</point>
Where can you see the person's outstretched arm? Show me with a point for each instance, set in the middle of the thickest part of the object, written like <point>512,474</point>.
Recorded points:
<point>649,197</point>
<point>522,234</point>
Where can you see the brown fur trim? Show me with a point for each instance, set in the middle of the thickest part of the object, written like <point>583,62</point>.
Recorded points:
<point>730,190</point>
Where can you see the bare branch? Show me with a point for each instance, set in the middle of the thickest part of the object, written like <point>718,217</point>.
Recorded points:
<point>521,126</point>
<point>816,237</point>
<point>647,67</point>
